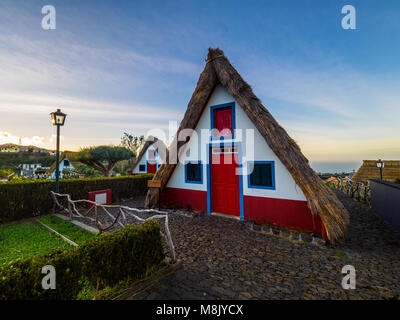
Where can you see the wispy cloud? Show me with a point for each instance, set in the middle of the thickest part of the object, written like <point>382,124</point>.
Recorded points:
<point>335,113</point>
<point>26,62</point>
<point>339,90</point>
<point>31,104</point>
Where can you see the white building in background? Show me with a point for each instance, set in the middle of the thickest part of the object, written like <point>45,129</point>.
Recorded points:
<point>32,170</point>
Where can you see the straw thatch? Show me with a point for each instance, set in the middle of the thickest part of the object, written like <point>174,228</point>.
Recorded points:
<point>218,70</point>
<point>70,156</point>
<point>369,170</point>
<point>53,166</point>
<point>159,146</point>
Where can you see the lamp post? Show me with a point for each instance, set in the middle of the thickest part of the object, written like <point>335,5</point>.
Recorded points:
<point>58,119</point>
<point>380,164</point>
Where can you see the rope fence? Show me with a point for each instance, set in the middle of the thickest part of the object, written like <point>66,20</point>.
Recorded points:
<point>120,218</point>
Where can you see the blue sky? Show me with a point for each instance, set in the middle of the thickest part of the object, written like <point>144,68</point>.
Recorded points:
<point>118,66</point>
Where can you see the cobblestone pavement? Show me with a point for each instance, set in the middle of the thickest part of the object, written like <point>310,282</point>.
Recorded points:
<point>223,259</point>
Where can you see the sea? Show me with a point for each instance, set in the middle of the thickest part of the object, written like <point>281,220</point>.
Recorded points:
<point>335,167</point>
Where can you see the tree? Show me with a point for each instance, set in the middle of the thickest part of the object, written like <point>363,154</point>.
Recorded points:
<point>87,171</point>
<point>133,143</point>
<point>6,173</point>
<point>122,166</point>
<point>103,158</point>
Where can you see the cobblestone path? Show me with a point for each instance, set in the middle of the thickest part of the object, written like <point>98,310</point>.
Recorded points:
<point>223,259</point>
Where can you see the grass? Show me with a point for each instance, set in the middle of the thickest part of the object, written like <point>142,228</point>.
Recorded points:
<point>67,229</point>
<point>28,239</point>
<point>33,239</point>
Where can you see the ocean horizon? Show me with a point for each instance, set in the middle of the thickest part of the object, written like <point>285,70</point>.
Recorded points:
<point>335,166</point>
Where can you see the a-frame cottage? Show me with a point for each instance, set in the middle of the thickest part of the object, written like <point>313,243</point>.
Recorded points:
<point>216,172</point>
<point>150,157</point>
<point>64,164</point>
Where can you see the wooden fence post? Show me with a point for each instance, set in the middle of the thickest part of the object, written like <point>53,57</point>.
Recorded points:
<point>156,184</point>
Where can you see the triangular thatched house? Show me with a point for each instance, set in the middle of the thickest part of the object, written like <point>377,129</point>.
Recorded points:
<point>216,175</point>
<point>64,163</point>
<point>150,157</point>
<point>369,170</point>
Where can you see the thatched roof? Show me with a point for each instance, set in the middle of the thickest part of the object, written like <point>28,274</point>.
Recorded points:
<point>159,145</point>
<point>369,170</point>
<point>53,166</point>
<point>218,70</point>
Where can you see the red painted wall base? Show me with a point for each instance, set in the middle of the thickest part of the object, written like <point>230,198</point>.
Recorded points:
<point>291,214</point>
<point>184,198</point>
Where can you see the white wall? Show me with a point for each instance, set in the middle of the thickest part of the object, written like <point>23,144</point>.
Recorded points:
<point>285,186</point>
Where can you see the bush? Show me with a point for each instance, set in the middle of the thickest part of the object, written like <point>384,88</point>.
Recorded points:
<point>127,254</point>
<point>397,181</point>
<point>31,198</point>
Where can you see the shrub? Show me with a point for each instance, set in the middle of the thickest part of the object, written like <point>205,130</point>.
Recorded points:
<point>397,181</point>
<point>127,254</point>
<point>30,198</point>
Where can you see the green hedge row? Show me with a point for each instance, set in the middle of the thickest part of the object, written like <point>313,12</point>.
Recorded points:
<point>32,197</point>
<point>127,254</point>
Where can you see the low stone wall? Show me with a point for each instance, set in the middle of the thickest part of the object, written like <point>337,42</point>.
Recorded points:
<point>385,200</point>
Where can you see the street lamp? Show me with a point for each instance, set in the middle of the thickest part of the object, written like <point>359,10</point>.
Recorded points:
<point>58,119</point>
<point>380,164</point>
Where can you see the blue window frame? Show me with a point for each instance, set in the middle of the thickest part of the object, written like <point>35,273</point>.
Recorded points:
<point>261,175</point>
<point>142,167</point>
<point>194,172</point>
<point>220,106</point>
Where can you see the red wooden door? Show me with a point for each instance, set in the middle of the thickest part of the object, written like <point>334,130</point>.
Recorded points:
<point>225,183</point>
<point>151,167</point>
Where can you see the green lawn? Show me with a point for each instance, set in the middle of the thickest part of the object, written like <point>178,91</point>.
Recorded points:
<point>67,229</point>
<point>32,239</point>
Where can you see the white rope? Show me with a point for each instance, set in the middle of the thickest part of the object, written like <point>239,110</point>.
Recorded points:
<point>59,234</point>
<point>122,212</point>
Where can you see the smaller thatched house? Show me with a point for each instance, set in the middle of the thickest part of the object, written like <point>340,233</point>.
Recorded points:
<point>220,175</point>
<point>369,170</point>
<point>150,157</point>
<point>64,163</point>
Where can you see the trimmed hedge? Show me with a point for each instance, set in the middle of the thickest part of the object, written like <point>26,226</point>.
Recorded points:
<point>31,198</point>
<point>127,254</point>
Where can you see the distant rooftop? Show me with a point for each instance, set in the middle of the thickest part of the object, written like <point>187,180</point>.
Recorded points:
<point>369,170</point>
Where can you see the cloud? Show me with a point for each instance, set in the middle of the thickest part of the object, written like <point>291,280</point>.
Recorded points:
<point>333,113</point>
<point>339,90</point>
<point>63,64</point>
<point>83,108</point>
<point>89,122</point>
<point>7,137</point>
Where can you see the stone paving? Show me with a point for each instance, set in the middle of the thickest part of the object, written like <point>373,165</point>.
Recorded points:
<point>223,259</point>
